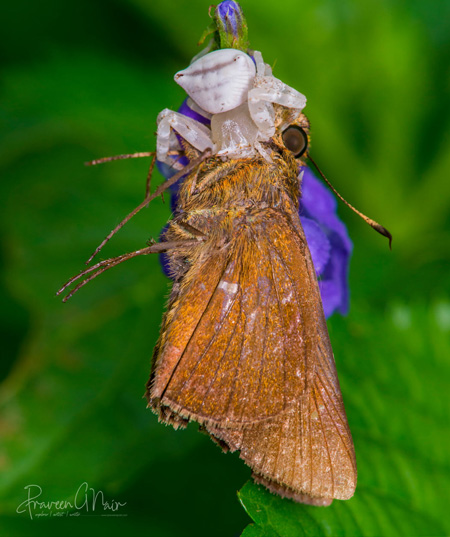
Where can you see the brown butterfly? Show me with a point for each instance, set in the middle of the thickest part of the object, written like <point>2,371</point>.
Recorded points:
<point>244,348</point>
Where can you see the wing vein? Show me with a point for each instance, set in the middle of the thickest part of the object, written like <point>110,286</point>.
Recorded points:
<point>193,332</point>
<point>294,286</point>
<point>320,375</point>
<point>211,341</point>
<point>325,441</point>
<point>345,444</point>
<point>280,310</point>
<point>263,355</point>
<point>230,339</point>
<point>237,369</point>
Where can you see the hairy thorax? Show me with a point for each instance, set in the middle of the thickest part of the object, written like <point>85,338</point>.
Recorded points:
<point>225,199</point>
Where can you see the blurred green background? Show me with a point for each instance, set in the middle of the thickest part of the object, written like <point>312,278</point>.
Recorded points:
<point>86,79</point>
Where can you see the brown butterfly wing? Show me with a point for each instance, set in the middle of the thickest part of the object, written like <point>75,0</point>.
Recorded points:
<point>233,350</point>
<point>307,452</point>
<point>245,351</point>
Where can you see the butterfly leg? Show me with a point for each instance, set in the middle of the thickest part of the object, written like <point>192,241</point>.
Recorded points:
<point>97,269</point>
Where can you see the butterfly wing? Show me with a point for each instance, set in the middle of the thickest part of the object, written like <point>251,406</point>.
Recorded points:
<point>235,346</point>
<point>307,452</point>
<point>244,350</point>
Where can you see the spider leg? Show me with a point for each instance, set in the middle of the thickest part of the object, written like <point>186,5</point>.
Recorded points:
<point>164,186</point>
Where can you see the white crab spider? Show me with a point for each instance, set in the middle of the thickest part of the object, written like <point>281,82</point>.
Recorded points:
<point>226,87</point>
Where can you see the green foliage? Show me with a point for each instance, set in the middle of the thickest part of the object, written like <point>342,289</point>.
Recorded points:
<point>87,79</point>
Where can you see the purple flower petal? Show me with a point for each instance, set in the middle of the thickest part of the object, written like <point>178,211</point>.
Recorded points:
<point>187,111</point>
<point>318,243</point>
<point>319,204</point>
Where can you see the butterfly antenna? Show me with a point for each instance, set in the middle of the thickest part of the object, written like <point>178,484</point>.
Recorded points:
<point>375,225</point>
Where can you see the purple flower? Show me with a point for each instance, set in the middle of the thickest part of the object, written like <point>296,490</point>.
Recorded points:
<point>328,242</point>
<point>326,234</point>
<point>230,26</point>
<point>229,15</point>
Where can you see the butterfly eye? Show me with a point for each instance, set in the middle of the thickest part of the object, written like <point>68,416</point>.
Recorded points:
<point>296,140</point>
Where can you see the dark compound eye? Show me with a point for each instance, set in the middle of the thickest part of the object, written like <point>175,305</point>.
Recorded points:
<point>296,140</point>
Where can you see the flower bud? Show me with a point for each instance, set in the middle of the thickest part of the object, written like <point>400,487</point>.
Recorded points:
<point>231,25</point>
